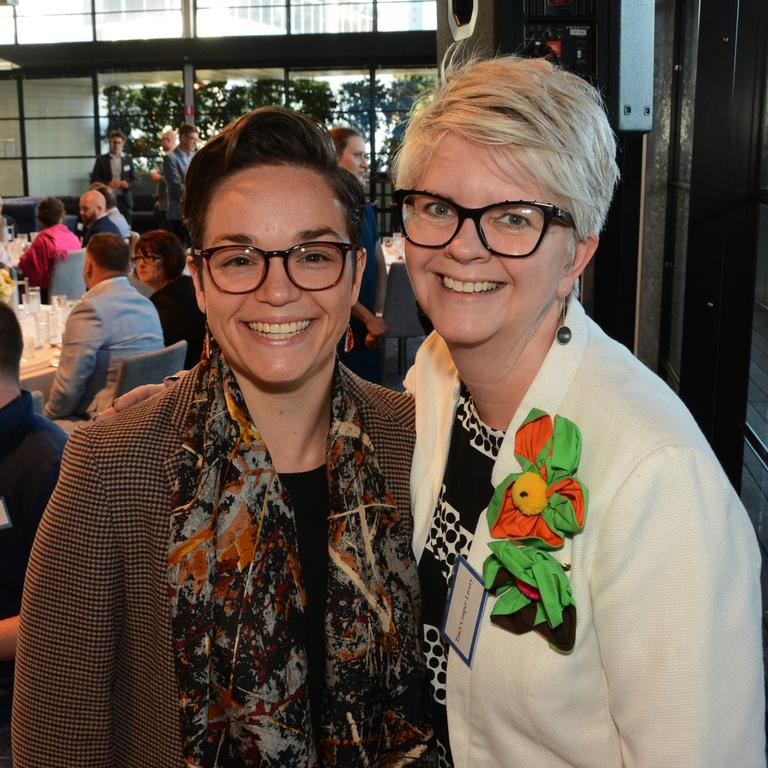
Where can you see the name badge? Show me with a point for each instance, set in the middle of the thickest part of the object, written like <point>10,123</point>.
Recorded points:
<point>126,167</point>
<point>464,609</point>
<point>5,518</point>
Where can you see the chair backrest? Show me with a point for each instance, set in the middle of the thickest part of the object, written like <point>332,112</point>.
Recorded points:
<point>67,275</point>
<point>149,367</point>
<point>38,402</point>
<point>400,305</point>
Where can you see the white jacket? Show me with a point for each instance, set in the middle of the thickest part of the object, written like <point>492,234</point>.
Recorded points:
<point>667,667</point>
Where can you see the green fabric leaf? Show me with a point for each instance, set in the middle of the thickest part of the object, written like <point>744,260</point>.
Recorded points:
<point>566,450</point>
<point>497,500</point>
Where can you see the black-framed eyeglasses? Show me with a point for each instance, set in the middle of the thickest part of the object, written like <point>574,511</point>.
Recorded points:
<point>314,266</point>
<point>513,228</point>
<point>150,257</point>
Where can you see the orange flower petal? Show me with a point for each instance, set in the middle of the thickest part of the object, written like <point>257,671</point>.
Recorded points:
<point>571,489</point>
<point>513,524</point>
<point>531,438</point>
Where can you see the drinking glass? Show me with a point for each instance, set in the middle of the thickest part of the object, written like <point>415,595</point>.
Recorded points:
<point>32,300</point>
<point>42,327</point>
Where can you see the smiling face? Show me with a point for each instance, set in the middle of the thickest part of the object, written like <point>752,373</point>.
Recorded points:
<point>353,158</point>
<point>478,300</point>
<point>278,337</point>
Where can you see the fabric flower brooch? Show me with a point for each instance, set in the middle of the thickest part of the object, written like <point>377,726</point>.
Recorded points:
<point>531,513</point>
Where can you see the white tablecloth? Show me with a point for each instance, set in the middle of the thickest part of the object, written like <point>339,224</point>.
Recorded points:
<point>38,371</point>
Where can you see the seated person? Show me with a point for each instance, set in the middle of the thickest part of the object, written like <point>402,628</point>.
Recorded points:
<point>30,452</point>
<point>7,221</point>
<point>112,210</point>
<point>52,243</point>
<point>112,321</point>
<point>93,215</point>
<point>159,263</point>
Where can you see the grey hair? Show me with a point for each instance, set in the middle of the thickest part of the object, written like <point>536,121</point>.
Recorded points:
<point>549,123</point>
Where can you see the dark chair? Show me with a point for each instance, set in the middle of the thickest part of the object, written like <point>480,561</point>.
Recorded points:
<point>67,276</point>
<point>400,311</point>
<point>149,367</point>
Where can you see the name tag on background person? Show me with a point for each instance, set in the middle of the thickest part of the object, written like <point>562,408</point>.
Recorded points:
<point>464,610</point>
<point>5,518</point>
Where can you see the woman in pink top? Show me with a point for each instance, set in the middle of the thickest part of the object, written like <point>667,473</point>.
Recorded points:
<point>52,243</point>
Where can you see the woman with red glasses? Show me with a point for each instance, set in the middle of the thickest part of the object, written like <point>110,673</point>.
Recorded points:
<point>224,574</point>
<point>590,578</point>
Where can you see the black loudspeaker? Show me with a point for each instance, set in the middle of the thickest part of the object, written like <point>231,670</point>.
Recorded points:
<point>610,43</point>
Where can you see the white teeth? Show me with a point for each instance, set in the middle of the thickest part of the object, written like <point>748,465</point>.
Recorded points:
<point>459,287</point>
<point>279,331</point>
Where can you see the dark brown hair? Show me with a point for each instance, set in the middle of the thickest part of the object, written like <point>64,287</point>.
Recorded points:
<point>267,136</point>
<point>109,252</point>
<point>166,245</point>
<point>12,346</point>
<point>50,211</point>
<point>117,133</point>
<point>187,128</point>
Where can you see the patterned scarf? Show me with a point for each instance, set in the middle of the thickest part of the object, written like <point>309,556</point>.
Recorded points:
<point>238,602</point>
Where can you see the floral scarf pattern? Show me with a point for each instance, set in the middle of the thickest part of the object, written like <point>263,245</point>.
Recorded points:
<point>238,602</point>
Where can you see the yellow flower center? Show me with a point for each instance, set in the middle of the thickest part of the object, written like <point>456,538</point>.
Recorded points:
<point>529,493</point>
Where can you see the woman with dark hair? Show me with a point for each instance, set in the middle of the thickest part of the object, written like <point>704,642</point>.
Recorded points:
<point>362,353</point>
<point>159,259</point>
<point>224,574</point>
<point>53,242</point>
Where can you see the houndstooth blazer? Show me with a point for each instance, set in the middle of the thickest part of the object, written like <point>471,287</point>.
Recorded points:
<point>95,681</point>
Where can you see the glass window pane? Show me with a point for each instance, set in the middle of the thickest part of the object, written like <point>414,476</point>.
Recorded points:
<point>70,28</point>
<point>227,19</point>
<point>350,16</point>
<point>56,138</point>
<point>407,15</point>
<point>142,105</point>
<point>11,178</point>
<point>396,90</point>
<point>138,26</point>
<point>59,97</point>
<point>221,95</point>
<point>10,139</point>
<point>9,99</point>
<point>137,5</point>
<point>58,177</point>
<point>332,97</point>
<point>6,26</point>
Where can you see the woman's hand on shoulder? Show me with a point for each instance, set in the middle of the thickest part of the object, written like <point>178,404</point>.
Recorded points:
<point>140,394</point>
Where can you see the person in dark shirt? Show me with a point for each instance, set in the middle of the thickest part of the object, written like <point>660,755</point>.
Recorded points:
<point>159,260</point>
<point>30,452</point>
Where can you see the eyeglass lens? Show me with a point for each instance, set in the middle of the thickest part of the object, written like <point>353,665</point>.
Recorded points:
<point>313,266</point>
<point>508,229</point>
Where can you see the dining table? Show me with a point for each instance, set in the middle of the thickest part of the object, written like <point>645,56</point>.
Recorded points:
<point>38,368</point>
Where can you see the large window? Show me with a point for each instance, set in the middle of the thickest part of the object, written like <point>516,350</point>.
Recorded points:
<point>53,21</point>
<point>137,19</point>
<point>11,173</point>
<point>141,105</point>
<point>58,127</point>
<point>227,18</point>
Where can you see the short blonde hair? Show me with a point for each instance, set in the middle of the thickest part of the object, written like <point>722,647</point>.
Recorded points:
<point>550,123</point>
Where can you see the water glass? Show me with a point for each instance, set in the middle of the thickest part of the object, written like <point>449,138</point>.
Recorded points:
<point>27,323</point>
<point>59,314</point>
<point>32,300</point>
<point>42,327</point>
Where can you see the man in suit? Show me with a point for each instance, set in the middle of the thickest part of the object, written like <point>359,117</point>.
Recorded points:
<point>168,142</point>
<point>116,169</point>
<point>93,215</point>
<point>30,453</point>
<point>111,321</point>
<point>175,164</point>
<point>113,212</point>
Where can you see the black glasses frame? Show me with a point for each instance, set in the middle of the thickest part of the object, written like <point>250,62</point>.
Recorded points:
<point>550,212</point>
<point>151,257</point>
<point>207,253</point>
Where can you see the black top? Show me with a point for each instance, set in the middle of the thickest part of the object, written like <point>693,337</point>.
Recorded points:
<point>180,317</point>
<point>309,497</point>
<point>465,493</point>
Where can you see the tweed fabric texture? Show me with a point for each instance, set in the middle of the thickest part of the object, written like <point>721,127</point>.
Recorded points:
<point>95,681</point>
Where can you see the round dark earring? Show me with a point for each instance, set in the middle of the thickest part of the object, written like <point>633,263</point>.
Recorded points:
<point>563,334</point>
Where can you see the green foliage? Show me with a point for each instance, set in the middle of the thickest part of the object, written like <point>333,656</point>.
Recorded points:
<point>142,112</point>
